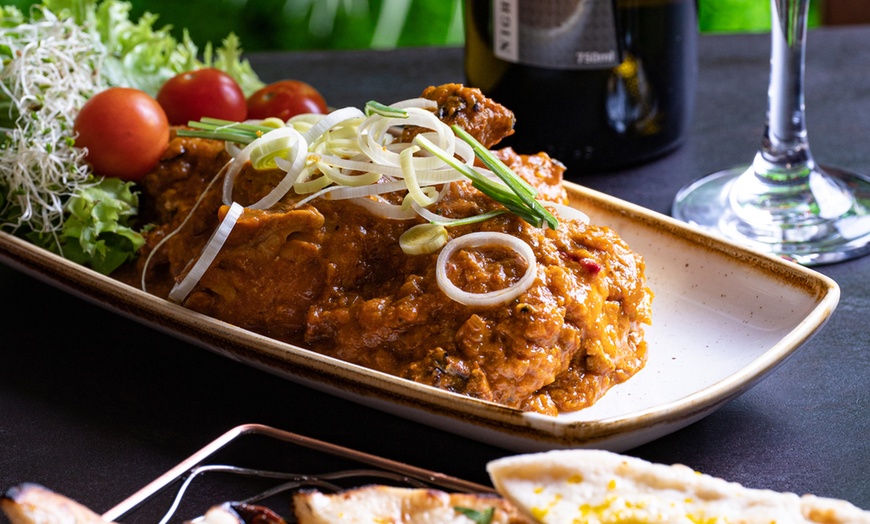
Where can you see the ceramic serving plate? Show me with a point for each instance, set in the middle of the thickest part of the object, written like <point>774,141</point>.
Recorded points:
<point>723,317</point>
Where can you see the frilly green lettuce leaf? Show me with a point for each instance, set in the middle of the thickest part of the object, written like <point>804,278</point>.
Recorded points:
<point>229,58</point>
<point>142,55</point>
<point>97,233</point>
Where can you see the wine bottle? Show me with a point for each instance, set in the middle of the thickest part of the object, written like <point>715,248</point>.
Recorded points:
<point>597,84</point>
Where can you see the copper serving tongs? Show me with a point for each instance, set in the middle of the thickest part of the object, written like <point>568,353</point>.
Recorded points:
<point>194,466</point>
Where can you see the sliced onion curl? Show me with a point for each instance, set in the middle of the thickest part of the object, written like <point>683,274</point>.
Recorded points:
<point>338,140</point>
<point>337,176</point>
<point>304,121</point>
<point>332,119</point>
<point>347,192</point>
<point>422,103</point>
<point>309,180</point>
<point>272,145</point>
<point>212,248</point>
<point>440,175</point>
<point>375,136</point>
<point>272,121</point>
<point>481,239</point>
<point>286,139</point>
<point>423,239</point>
<point>383,209</point>
<point>567,212</point>
<point>297,150</point>
<point>406,159</point>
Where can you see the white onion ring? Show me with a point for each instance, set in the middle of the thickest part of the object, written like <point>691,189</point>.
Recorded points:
<point>232,148</point>
<point>235,166</point>
<point>346,192</point>
<point>242,158</point>
<point>336,117</point>
<point>491,298</point>
<point>212,248</point>
<point>426,176</point>
<point>385,209</point>
<point>304,121</point>
<point>292,172</point>
<point>374,135</point>
<point>567,212</point>
<point>183,223</point>
<point>423,103</point>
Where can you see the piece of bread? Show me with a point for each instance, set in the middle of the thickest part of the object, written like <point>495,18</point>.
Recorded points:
<point>33,504</point>
<point>378,504</point>
<point>591,486</point>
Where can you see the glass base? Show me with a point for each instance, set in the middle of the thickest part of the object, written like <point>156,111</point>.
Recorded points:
<point>809,230</point>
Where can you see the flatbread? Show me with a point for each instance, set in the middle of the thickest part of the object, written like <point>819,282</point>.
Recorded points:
<point>34,504</point>
<point>600,487</point>
<point>379,504</point>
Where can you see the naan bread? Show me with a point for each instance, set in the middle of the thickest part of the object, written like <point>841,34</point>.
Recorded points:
<point>599,487</point>
<point>391,505</point>
<point>34,504</point>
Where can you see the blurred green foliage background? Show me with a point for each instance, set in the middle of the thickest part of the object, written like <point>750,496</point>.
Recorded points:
<point>308,24</point>
<point>379,24</point>
<point>750,16</point>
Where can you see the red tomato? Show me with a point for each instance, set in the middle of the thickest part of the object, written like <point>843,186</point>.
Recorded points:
<point>285,99</point>
<point>204,92</point>
<point>125,132</point>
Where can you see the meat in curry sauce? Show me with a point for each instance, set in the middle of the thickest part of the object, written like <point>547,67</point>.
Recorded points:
<point>330,276</point>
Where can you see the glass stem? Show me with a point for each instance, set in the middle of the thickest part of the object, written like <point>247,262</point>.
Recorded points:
<point>785,154</point>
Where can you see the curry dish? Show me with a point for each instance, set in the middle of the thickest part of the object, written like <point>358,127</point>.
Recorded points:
<point>330,276</point>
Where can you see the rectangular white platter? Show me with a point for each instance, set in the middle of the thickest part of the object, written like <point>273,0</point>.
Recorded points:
<point>723,318</point>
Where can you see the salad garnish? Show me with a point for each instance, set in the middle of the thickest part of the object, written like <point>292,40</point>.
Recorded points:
<point>499,183</point>
<point>52,60</point>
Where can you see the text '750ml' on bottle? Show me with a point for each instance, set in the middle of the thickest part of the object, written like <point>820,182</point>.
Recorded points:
<point>597,84</point>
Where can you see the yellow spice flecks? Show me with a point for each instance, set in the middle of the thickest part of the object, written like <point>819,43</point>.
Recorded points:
<point>539,513</point>
<point>702,519</point>
<point>577,478</point>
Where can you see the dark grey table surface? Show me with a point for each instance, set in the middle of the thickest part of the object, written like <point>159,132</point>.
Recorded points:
<point>95,405</point>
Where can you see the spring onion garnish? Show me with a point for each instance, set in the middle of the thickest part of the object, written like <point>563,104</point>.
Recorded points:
<point>272,146</point>
<point>414,190</point>
<point>520,187</point>
<point>227,130</point>
<point>370,156</point>
<point>502,194</point>
<point>486,239</point>
<point>423,239</point>
<point>293,158</point>
<point>212,248</point>
<point>331,120</point>
<point>453,222</point>
<point>355,155</point>
<point>376,108</point>
<point>180,226</point>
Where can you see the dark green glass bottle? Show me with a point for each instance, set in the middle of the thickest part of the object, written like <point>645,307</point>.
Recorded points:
<point>597,84</point>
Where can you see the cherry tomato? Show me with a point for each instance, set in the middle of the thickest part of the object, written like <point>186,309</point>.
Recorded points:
<point>125,132</point>
<point>204,92</point>
<point>285,99</point>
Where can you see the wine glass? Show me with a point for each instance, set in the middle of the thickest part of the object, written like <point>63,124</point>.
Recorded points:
<point>784,203</point>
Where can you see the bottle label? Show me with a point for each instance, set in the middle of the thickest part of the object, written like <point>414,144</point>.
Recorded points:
<point>556,34</point>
